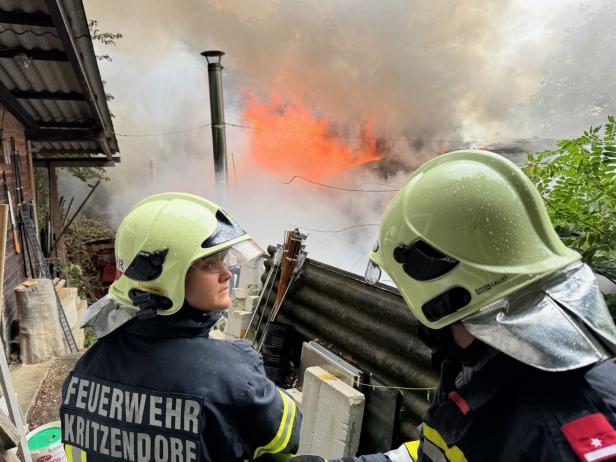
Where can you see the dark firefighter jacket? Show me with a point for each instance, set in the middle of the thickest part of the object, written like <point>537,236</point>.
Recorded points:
<point>507,411</point>
<point>160,390</point>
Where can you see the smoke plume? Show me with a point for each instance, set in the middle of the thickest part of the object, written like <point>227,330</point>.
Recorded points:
<point>413,78</point>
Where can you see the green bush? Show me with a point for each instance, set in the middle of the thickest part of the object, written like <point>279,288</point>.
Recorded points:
<point>578,184</point>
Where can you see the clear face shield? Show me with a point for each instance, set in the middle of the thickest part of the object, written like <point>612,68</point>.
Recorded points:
<point>229,259</point>
<point>373,272</point>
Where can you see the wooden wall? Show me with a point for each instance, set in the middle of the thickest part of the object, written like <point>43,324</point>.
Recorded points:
<point>14,265</point>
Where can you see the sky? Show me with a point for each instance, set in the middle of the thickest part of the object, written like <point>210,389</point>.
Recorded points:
<point>376,88</point>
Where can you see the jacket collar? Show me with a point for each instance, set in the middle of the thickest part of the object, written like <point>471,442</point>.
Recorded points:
<point>187,322</point>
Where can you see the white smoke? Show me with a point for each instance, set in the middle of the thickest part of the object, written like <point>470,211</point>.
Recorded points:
<point>430,74</point>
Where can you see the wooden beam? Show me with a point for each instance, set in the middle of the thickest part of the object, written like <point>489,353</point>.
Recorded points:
<point>49,95</point>
<point>54,134</point>
<point>77,162</point>
<point>52,151</point>
<point>25,19</point>
<point>15,108</point>
<point>104,144</point>
<point>35,53</point>
<point>88,124</point>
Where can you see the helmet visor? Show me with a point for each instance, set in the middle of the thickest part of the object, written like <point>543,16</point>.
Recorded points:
<point>229,258</point>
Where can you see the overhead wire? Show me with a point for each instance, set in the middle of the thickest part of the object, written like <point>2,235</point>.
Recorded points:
<point>335,187</point>
<point>173,132</point>
<point>361,225</point>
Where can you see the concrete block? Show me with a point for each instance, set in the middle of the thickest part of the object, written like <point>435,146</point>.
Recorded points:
<point>295,395</point>
<point>251,271</point>
<point>236,305</point>
<point>252,289</point>
<point>239,293</point>
<point>69,298</point>
<point>238,322</point>
<point>78,333</point>
<point>250,303</point>
<point>333,413</point>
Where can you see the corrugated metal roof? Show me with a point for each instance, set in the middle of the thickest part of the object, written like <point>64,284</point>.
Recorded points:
<point>370,326</point>
<point>34,58</point>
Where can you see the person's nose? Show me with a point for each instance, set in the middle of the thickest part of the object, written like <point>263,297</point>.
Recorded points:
<point>225,274</point>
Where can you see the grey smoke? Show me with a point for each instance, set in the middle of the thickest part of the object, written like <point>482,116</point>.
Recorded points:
<point>430,74</point>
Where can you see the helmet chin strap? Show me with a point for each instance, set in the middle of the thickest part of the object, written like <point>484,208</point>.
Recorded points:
<point>445,348</point>
<point>148,303</point>
<point>190,312</point>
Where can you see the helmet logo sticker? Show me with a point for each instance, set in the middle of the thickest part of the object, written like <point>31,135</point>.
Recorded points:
<point>489,285</point>
<point>151,288</point>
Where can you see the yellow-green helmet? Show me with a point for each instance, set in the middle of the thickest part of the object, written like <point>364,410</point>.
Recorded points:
<point>466,229</point>
<point>159,239</point>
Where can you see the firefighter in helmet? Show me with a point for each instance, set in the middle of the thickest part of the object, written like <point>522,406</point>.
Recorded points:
<point>154,386</point>
<point>519,329</point>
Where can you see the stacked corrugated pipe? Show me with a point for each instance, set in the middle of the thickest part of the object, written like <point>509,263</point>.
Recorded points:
<point>278,352</point>
<point>369,325</point>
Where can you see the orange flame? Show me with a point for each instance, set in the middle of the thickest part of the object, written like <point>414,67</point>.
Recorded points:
<point>288,140</point>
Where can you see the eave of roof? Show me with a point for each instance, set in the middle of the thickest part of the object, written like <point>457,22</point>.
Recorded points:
<point>50,80</point>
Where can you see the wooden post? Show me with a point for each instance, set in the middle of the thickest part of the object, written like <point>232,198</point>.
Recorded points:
<point>32,177</point>
<point>5,374</point>
<point>54,205</point>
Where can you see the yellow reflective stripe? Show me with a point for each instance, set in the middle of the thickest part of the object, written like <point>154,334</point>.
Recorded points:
<point>454,453</point>
<point>68,449</point>
<point>413,448</point>
<point>289,425</point>
<point>279,434</point>
<point>72,451</point>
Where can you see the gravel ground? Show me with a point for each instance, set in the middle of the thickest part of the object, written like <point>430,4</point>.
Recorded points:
<point>47,406</point>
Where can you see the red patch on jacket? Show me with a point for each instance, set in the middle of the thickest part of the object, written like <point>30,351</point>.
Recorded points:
<point>460,402</point>
<point>592,438</point>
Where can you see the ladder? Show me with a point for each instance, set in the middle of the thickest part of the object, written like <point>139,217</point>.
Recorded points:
<point>43,271</point>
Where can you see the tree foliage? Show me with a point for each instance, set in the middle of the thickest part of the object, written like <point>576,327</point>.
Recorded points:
<point>106,38</point>
<point>81,269</point>
<point>578,184</point>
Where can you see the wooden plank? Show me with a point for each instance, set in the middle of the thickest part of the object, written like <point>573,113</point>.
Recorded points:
<point>5,375</point>
<point>49,95</point>
<point>4,211</point>
<point>25,19</point>
<point>84,162</point>
<point>38,54</point>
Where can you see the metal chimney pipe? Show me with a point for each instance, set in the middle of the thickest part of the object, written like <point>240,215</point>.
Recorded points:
<point>217,111</point>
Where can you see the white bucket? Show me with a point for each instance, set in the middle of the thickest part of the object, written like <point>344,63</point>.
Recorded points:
<point>45,443</point>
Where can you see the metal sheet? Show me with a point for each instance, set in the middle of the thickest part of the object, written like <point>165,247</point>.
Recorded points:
<point>379,431</point>
<point>314,354</point>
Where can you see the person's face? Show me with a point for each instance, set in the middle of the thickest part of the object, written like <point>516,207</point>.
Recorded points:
<point>207,284</point>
